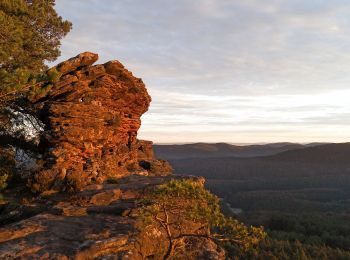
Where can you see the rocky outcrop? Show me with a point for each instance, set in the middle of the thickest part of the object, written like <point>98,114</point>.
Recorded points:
<point>148,162</point>
<point>91,115</point>
<point>123,204</point>
<point>100,222</point>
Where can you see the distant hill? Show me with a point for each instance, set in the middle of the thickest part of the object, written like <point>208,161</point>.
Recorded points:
<point>300,161</point>
<point>207,150</point>
<point>295,191</point>
<point>320,154</point>
<point>305,176</point>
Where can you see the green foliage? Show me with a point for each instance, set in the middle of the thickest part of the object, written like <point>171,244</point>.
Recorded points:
<point>7,167</point>
<point>285,250</point>
<point>52,75</point>
<point>312,229</point>
<point>4,177</point>
<point>204,206</point>
<point>293,200</point>
<point>38,91</point>
<point>30,34</point>
<point>190,202</point>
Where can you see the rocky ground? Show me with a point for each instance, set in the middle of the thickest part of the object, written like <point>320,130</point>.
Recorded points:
<point>100,222</point>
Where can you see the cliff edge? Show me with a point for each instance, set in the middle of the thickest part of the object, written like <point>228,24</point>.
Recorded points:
<point>98,192</point>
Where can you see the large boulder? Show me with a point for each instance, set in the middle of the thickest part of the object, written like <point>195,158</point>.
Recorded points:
<point>91,115</point>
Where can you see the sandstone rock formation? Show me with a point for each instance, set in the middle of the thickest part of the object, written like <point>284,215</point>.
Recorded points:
<point>100,222</point>
<point>89,145</point>
<point>91,116</point>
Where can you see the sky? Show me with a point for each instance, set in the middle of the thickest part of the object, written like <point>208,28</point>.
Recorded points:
<point>232,71</point>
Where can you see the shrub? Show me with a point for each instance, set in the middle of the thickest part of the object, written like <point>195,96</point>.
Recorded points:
<point>180,202</point>
<point>7,167</point>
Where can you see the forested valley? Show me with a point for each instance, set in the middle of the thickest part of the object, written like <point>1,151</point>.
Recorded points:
<point>300,194</point>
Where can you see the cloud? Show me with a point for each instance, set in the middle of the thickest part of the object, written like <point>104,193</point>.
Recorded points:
<point>213,65</point>
<point>233,117</point>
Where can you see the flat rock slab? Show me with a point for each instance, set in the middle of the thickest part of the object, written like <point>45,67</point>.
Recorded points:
<point>96,223</point>
<point>51,236</point>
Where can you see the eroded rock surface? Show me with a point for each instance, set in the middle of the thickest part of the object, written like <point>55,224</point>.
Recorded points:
<point>89,146</point>
<point>91,116</point>
<point>100,222</point>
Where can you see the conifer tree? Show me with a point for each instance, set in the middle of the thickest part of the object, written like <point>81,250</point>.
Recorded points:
<point>30,35</point>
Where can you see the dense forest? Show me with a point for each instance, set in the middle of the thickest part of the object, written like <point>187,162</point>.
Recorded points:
<point>300,195</point>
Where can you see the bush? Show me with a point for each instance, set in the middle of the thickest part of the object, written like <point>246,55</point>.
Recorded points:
<point>179,202</point>
<point>7,167</point>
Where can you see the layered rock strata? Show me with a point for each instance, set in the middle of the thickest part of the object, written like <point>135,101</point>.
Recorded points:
<point>99,222</point>
<point>91,115</point>
<point>89,145</point>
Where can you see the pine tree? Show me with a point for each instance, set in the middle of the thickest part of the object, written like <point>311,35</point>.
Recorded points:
<point>30,34</point>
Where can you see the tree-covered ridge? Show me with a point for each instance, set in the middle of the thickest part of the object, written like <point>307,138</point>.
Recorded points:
<point>273,249</point>
<point>301,197</point>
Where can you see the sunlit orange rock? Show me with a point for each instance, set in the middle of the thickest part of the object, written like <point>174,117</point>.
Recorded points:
<point>91,116</point>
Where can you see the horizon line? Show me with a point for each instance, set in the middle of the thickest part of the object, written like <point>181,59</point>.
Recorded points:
<point>245,144</point>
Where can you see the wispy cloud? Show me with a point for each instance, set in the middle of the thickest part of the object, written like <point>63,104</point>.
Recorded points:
<point>227,70</point>
<point>257,115</point>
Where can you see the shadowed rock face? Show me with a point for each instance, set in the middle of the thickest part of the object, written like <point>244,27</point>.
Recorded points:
<point>92,115</point>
